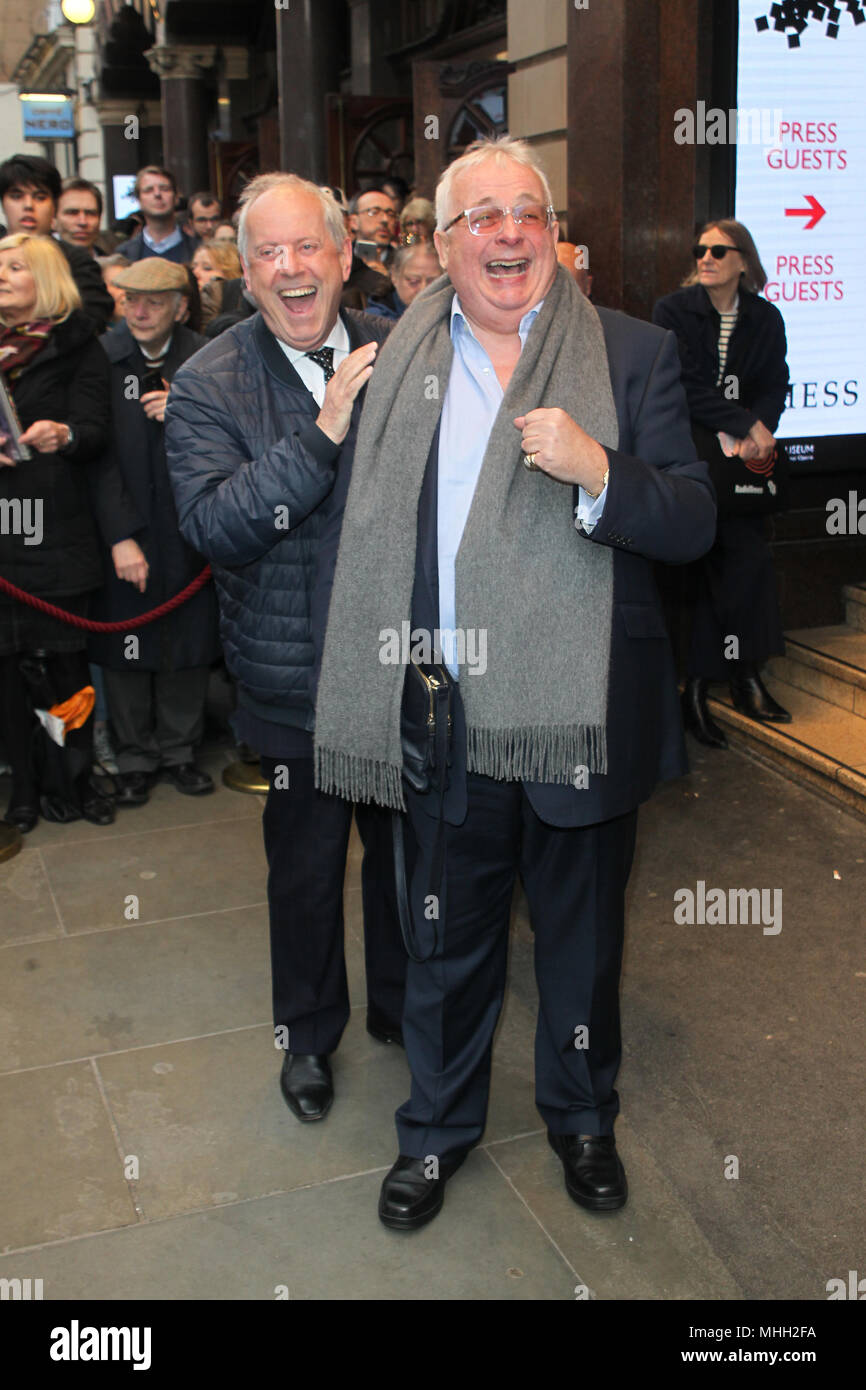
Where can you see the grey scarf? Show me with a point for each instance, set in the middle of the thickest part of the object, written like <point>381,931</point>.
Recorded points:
<point>542,592</point>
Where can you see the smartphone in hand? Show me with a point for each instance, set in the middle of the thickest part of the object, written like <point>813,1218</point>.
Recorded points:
<point>151,381</point>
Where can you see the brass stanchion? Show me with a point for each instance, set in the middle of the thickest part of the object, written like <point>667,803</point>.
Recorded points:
<point>246,774</point>
<point>10,841</point>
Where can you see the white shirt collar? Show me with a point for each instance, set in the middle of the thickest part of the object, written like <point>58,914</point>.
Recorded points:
<point>338,338</point>
<point>157,356</point>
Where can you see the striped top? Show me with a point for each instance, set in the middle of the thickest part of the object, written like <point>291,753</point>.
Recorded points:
<point>726,328</point>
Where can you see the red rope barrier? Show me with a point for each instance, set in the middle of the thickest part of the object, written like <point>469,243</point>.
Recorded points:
<point>89,625</point>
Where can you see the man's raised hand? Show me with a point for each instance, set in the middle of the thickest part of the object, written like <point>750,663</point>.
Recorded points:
<point>562,449</point>
<point>352,374</point>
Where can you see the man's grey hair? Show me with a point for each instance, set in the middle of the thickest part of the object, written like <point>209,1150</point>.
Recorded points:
<point>500,147</point>
<point>263,183</point>
<point>405,254</point>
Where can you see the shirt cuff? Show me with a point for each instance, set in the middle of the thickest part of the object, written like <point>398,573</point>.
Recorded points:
<point>588,511</point>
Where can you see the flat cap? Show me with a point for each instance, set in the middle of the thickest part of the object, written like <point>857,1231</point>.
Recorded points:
<point>153,273</point>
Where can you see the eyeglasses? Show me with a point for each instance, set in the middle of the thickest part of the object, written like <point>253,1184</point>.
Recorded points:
<point>486,220</point>
<point>718,252</point>
<point>376,212</point>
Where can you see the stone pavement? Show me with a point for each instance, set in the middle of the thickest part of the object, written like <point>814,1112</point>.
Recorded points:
<point>146,1151</point>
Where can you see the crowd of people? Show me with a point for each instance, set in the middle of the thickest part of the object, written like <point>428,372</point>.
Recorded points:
<point>228,392</point>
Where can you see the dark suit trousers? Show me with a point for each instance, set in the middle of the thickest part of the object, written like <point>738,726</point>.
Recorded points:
<point>736,596</point>
<point>157,716</point>
<point>575,883</point>
<point>306,837</point>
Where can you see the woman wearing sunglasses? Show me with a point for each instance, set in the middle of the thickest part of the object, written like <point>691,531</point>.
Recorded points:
<point>732,349</point>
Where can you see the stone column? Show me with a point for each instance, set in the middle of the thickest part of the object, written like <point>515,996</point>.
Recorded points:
<point>372,74</point>
<point>633,193</point>
<point>234,69</point>
<point>309,41</point>
<point>130,139</point>
<point>181,69</point>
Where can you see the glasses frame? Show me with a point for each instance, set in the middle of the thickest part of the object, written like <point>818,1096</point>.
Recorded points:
<point>717,251</point>
<point>515,211</point>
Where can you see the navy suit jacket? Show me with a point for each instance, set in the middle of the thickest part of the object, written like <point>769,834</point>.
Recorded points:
<point>660,506</point>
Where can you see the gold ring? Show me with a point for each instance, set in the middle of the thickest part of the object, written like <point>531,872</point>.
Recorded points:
<point>529,462</point>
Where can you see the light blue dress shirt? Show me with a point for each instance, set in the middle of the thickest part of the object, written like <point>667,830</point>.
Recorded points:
<point>471,405</point>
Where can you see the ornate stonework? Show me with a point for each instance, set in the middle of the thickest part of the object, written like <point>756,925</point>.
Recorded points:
<point>180,60</point>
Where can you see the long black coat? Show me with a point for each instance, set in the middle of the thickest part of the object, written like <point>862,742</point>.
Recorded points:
<point>66,381</point>
<point>188,636</point>
<point>756,357</point>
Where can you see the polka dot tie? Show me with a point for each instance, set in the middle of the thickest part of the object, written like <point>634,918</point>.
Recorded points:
<point>324,358</point>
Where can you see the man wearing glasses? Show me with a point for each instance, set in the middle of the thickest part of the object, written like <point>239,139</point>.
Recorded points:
<point>372,224</point>
<point>522,459</point>
<point>372,221</point>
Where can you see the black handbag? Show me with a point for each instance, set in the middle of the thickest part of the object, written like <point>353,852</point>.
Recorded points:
<point>426,720</point>
<point>426,735</point>
<point>744,489</point>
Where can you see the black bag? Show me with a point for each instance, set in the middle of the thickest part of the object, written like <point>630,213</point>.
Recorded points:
<point>426,733</point>
<point>426,726</point>
<point>744,489</point>
<point>61,772</point>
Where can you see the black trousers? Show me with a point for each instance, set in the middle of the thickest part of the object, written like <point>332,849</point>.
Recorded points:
<point>306,837</point>
<point>157,716</point>
<point>736,597</point>
<point>575,883</point>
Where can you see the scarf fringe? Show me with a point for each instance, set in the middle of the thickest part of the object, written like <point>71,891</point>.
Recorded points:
<point>538,753</point>
<point>359,779</point>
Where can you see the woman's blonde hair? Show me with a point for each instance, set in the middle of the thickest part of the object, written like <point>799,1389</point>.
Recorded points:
<point>56,291</point>
<point>224,258</point>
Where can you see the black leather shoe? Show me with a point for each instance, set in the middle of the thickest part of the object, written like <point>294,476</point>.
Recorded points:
<point>409,1198</point>
<point>594,1175</point>
<point>696,716</point>
<point>99,810</point>
<point>23,817</point>
<point>307,1085</point>
<point>189,779</point>
<point>752,698</point>
<point>384,1032</point>
<point>133,788</point>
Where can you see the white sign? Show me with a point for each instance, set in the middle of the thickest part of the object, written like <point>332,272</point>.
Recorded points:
<point>803,198</point>
<point>125,201</point>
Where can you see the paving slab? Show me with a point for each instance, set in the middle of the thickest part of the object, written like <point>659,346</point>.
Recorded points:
<point>27,909</point>
<point>108,991</point>
<point>651,1249</point>
<point>320,1243</point>
<point>60,1170</point>
<point>739,1045</point>
<point>172,873</point>
<point>209,1125</point>
<point>749,1046</point>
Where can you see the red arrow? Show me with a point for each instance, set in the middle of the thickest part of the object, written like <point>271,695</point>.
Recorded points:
<point>814,212</point>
